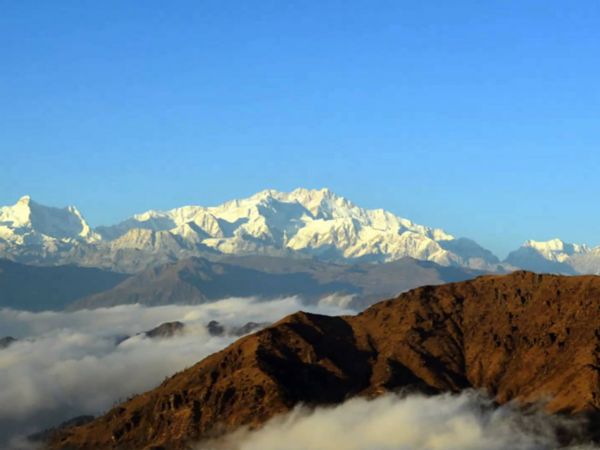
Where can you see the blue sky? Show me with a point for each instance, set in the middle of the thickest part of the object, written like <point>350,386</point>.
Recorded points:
<point>482,118</point>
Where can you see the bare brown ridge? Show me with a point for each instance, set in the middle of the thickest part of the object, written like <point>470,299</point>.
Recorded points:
<point>523,336</point>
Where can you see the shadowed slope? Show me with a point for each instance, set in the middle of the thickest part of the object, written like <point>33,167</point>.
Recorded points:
<point>522,336</point>
<point>198,280</point>
<point>36,288</point>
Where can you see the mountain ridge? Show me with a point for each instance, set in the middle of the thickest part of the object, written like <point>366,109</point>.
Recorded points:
<point>198,280</point>
<point>522,337</point>
<point>301,223</point>
<point>556,256</point>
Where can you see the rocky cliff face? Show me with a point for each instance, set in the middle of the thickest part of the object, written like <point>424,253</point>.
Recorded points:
<point>527,337</point>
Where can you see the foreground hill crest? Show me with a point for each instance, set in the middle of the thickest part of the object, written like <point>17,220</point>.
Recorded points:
<point>524,337</point>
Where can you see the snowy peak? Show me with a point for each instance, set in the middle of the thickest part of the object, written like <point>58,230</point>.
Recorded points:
<point>556,249</point>
<point>28,218</point>
<point>322,203</point>
<point>317,203</point>
<point>18,215</point>
<point>555,256</point>
<point>25,200</point>
<point>309,222</point>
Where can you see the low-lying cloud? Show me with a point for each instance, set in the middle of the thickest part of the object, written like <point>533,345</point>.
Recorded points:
<point>468,421</point>
<point>67,364</point>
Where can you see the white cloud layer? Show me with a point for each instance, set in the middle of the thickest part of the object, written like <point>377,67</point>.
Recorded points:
<point>67,364</point>
<point>447,422</point>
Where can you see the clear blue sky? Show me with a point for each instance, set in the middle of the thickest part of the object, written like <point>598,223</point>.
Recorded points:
<point>480,117</point>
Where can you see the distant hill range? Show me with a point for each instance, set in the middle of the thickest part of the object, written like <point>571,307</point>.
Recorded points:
<point>523,337</point>
<point>50,288</point>
<point>198,280</point>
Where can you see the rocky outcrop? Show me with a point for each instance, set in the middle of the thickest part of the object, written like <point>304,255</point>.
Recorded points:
<point>166,330</point>
<point>7,341</point>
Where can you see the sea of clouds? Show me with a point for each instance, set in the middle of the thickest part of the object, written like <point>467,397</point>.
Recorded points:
<point>67,364</point>
<point>466,421</point>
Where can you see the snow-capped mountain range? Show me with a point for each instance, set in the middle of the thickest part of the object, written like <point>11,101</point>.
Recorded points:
<point>556,256</point>
<point>301,223</point>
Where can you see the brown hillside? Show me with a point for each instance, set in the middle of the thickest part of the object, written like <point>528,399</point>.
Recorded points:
<point>521,336</point>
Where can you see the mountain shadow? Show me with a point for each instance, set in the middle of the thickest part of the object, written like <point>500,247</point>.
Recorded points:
<point>198,280</point>
<point>36,288</point>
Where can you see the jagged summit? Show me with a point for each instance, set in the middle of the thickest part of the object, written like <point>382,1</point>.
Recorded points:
<point>556,256</point>
<point>25,199</point>
<point>313,223</point>
<point>556,248</point>
<point>304,222</point>
<point>30,225</point>
<point>308,223</point>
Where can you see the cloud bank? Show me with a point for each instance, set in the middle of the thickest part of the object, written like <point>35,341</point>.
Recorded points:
<point>67,364</point>
<point>467,421</point>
